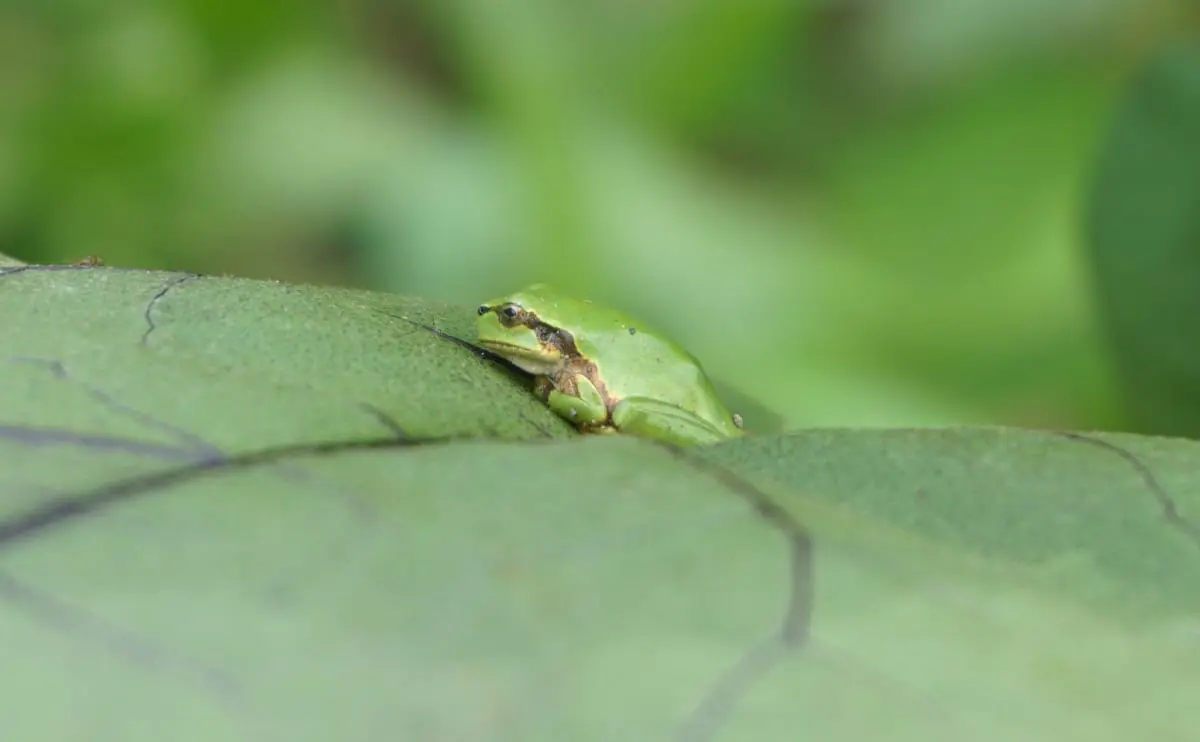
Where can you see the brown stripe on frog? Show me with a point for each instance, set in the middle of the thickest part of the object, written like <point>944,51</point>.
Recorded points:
<point>574,366</point>
<point>513,315</point>
<point>578,366</point>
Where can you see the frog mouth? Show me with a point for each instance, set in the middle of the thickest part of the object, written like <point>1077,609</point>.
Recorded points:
<point>540,362</point>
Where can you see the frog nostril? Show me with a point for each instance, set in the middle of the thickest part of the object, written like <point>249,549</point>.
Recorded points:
<point>484,309</point>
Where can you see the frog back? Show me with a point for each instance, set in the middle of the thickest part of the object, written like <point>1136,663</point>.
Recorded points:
<point>635,360</point>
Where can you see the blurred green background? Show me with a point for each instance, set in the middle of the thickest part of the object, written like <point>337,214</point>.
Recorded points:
<point>862,213</point>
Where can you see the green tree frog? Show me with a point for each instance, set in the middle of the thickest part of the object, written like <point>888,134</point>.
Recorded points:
<point>602,370</point>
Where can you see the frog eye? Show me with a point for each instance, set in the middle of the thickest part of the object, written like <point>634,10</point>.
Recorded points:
<point>510,311</point>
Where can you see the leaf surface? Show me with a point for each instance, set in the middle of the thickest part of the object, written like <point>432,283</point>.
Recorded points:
<point>218,524</point>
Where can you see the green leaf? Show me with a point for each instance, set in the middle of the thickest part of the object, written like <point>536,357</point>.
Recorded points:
<point>206,535</point>
<point>1144,240</point>
<point>241,362</point>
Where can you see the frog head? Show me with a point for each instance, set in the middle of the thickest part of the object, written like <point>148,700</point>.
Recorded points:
<point>512,328</point>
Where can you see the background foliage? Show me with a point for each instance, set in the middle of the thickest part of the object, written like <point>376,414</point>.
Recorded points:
<point>862,212</point>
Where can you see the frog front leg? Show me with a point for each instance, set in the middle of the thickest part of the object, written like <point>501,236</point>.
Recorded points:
<point>651,418</point>
<point>585,408</point>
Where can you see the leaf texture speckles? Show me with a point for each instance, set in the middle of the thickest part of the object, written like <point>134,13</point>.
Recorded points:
<point>245,510</point>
